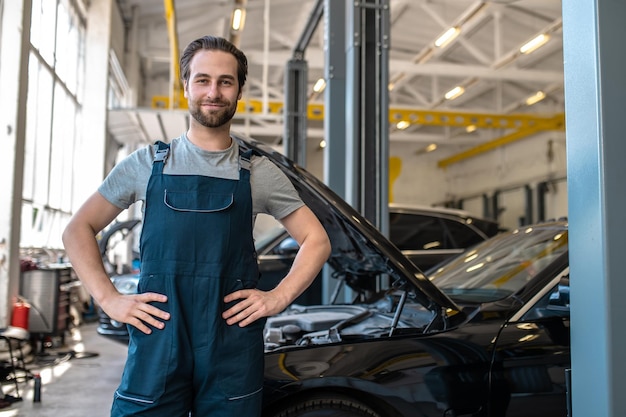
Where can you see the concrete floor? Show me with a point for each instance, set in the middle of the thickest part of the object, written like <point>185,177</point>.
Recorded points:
<point>73,385</point>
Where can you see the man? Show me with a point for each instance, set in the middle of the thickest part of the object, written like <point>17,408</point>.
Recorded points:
<point>196,325</point>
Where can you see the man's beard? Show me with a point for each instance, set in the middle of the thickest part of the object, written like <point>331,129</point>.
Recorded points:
<point>215,118</point>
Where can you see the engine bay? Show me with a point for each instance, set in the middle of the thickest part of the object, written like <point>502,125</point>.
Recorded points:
<point>322,324</point>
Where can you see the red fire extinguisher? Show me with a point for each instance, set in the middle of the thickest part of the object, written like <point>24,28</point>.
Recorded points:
<point>21,310</point>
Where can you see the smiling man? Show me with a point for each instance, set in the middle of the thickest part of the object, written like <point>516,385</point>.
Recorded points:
<point>196,324</point>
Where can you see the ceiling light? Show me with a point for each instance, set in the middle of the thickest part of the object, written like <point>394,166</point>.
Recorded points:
<point>447,37</point>
<point>534,43</point>
<point>426,149</point>
<point>535,98</point>
<point>396,78</point>
<point>319,85</point>
<point>402,124</point>
<point>470,128</point>
<point>454,93</point>
<point>430,147</point>
<point>239,17</point>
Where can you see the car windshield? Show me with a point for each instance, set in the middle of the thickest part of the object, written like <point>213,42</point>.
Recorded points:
<point>502,265</point>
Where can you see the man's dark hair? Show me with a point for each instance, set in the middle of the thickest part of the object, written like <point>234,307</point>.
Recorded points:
<point>211,43</point>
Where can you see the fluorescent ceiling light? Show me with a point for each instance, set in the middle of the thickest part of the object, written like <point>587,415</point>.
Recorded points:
<point>402,124</point>
<point>319,85</point>
<point>454,93</point>
<point>426,149</point>
<point>447,37</point>
<point>396,79</point>
<point>239,17</point>
<point>535,98</point>
<point>534,43</point>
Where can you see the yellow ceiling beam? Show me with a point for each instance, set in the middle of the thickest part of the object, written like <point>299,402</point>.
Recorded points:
<point>524,124</point>
<point>453,118</point>
<point>315,111</point>
<point>553,123</point>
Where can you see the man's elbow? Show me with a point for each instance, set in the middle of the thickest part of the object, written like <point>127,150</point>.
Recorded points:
<point>73,231</point>
<point>66,236</point>
<point>325,246</point>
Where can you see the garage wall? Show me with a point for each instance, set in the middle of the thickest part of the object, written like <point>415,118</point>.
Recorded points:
<point>534,162</point>
<point>505,170</point>
<point>419,181</point>
<point>508,170</point>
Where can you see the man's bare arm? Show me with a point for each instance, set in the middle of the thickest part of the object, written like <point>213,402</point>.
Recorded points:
<point>79,238</point>
<point>314,250</point>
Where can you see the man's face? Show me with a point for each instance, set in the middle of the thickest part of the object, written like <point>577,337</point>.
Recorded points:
<point>212,90</point>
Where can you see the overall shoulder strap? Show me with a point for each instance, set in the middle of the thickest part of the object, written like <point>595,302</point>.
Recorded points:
<point>244,158</point>
<point>161,152</point>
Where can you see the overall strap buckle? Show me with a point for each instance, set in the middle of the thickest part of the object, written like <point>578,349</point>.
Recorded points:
<point>162,152</point>
<point>244,159</point>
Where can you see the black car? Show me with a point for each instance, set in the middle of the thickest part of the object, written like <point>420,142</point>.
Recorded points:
<point>499,347</point>
<point>425,235</point>
<point>485,334</point>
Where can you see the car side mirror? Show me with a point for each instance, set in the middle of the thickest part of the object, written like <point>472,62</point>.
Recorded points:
<point>553,304</point>
<point>559,299</point>
<point>288,246</point>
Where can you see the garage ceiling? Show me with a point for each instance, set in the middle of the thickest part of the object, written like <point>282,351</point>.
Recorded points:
<point>484,59</point>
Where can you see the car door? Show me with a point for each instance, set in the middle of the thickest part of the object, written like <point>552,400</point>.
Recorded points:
<point>533,354</point>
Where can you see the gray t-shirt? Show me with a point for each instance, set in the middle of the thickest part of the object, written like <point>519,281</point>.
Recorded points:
<point>272,192</point>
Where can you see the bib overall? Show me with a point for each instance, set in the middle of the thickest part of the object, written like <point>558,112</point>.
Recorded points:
<point>196,247</point>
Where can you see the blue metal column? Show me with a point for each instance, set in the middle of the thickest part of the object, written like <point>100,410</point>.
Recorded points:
<point>334,112</point>
<point>296,82</point>
<point>367,108</point>
<point>335,96</point>
<point>295,111</point>
<point>595,90</point>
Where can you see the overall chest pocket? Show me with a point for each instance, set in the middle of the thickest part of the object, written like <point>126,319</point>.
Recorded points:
<point>197,202</point>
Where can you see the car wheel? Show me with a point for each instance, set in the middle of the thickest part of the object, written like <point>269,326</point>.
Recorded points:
<point>331,405</point>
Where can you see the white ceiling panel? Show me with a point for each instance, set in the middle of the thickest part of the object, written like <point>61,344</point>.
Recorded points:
<point>484,58</point>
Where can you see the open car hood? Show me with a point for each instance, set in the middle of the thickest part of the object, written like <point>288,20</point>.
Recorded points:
<point>359,250</point>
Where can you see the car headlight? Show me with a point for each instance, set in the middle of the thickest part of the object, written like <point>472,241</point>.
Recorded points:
<point>126,284</point>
